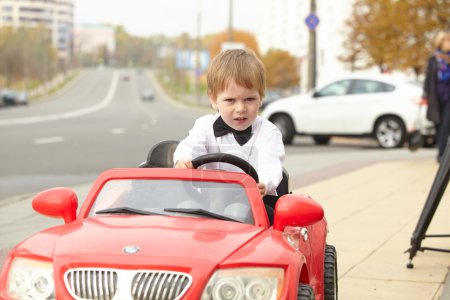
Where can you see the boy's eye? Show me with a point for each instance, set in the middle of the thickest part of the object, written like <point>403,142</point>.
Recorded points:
<point>250,99</point>
<point>228,100</point>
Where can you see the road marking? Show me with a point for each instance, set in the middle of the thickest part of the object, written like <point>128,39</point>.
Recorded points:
<point>118,131</point>
<point>70,114</point>
<point>49,140</point>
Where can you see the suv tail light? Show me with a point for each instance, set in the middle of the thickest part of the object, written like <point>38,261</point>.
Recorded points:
<point>420,101</point>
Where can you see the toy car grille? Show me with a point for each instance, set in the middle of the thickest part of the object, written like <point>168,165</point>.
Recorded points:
<point>159,285</point>
<point>92,283</point>
<point>109,284</point>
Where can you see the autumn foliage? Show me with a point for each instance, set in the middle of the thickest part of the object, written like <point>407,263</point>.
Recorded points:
<point>214,42</point>
<point>392,34</point>
<point>282,69</point>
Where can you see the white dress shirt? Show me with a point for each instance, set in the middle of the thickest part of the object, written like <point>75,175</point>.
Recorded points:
<point>264,151</point>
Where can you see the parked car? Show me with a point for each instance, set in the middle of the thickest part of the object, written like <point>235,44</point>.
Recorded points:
<point>147,94</point>
<point>271,96</point>
<point>12,97</point>
<point>165,233</point>
<point>380,106</point>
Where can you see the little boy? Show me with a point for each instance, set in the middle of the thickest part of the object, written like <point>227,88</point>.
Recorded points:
<point>236,86</point>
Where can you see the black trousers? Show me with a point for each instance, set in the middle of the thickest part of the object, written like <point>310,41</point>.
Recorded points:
<point>443,129</point>
<point>270,202</point>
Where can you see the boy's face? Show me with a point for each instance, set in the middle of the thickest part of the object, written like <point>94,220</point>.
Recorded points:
<point>237,105</point>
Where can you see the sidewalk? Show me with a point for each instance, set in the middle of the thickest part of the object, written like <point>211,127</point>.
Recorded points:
<point>372,212</point>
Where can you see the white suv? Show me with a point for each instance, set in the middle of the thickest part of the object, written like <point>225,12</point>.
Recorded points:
<point>381,106</point>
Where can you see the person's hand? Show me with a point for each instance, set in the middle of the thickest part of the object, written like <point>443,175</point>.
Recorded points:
<point>184,163</point>
<point>262,188</point>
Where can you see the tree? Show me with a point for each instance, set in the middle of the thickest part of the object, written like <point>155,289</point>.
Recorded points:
<point>26,53</point>
<point>214,42</point>
<point>281,69</point>
<point>393,34</point>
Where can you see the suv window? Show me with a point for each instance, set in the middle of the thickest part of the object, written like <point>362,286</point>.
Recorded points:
<point>337,88</point>
<point>370,86</point>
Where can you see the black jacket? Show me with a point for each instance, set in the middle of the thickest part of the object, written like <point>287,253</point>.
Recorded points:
<point>430,91</point>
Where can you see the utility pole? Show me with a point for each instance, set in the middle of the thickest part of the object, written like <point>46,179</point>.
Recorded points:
<point>312,22</point>
<point>197,58</point>
<point>230,22</point>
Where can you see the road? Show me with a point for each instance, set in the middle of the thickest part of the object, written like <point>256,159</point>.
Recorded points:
<point>100,122</point>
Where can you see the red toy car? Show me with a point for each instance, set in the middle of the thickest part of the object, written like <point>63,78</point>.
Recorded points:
<point>163,233</point>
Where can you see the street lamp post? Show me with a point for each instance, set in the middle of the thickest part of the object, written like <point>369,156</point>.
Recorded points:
<point>230,22</point>
<point>197,58</point>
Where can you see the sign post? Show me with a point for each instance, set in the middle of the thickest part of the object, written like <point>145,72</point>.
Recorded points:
<point>312,21</point>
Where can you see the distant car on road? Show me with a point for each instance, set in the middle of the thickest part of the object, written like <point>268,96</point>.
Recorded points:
<point>12,97</point>
<point>125,77</point>
<point>147,94</point>
<point>380,106</point>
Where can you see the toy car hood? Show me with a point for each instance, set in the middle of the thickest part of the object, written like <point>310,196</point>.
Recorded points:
<point>153,241</point>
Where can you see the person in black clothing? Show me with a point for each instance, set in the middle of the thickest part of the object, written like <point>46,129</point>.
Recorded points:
<point>437,89</point>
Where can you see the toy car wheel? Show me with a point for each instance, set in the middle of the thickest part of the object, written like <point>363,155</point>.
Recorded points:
<point>305,292</point>
<point>390,132</point>
<point>330,273</point>
<point>286,127</point>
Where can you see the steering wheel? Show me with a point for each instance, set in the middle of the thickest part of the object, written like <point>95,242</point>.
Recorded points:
<point>226,158</point>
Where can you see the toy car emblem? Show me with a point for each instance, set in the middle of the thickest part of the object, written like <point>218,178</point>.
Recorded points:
<point>131,249</point>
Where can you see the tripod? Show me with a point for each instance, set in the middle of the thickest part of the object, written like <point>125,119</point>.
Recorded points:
<point>434,197</point>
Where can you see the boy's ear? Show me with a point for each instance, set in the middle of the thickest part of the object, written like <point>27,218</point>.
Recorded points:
<point>212,100</point>
<point>213,103</point>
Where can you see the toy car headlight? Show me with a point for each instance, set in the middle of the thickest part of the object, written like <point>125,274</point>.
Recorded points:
<point>31,279</point>
<point>245,283</point>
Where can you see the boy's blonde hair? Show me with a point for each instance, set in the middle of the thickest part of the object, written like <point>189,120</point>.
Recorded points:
<point>240,65</point>
<point>439,39</point>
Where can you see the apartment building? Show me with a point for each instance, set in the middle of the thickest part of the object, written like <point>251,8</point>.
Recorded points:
<point>56,15</point>
<point>89,37</point>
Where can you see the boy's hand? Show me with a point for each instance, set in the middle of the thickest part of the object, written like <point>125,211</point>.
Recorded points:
<point>184,163</point>
<point>262,188</point>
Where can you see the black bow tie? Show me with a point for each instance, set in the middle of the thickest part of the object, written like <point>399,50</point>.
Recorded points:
<point>241,136</point>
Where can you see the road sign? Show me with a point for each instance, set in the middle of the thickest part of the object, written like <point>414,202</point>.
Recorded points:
<point>312,20</point>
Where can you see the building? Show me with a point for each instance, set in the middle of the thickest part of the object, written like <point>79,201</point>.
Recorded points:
<point>89,38</point>
<point>56,15</point>
<point>281,25</point>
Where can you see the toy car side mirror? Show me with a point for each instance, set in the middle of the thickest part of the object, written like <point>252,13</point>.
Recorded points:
<point>57,203</point>
<point>296,210</point>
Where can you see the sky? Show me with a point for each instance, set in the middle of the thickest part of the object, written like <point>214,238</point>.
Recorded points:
<point>168,17</point>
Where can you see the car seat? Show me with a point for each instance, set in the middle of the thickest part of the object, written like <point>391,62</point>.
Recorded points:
<point>161,155</point>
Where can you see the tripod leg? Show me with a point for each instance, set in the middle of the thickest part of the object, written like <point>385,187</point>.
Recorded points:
<point>434,197</point>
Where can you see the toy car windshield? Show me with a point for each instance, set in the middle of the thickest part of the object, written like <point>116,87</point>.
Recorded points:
<point>226,201</point>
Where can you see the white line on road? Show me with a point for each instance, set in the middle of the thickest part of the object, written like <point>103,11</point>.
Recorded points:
<point>118,131</point>
<point>70,114</point>
<point>49,140</point>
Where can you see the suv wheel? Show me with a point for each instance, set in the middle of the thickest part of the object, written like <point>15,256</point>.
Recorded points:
<point>286,127</point>
<point>321,139</point>
<point>330,273</point>
<point>390,132</point>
